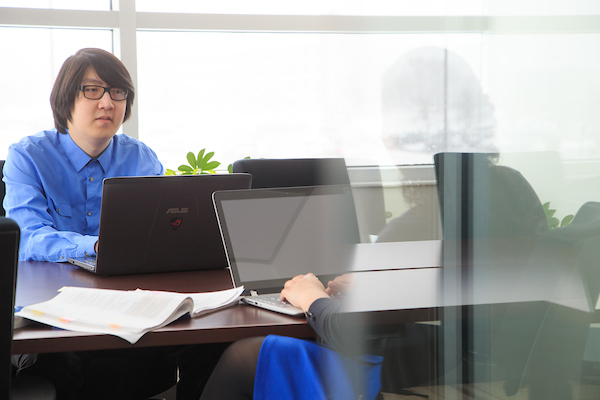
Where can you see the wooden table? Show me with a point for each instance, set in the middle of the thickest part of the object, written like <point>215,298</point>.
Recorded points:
<point>39,281</point>
<point>383,299</point>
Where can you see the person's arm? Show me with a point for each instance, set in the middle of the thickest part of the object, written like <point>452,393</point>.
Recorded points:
<point>26,203</point>
<point>323,312</point>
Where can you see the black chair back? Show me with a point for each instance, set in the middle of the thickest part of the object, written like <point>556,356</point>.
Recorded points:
<point>272,173</point>
<point>2,189</point>
<point>9,248</point>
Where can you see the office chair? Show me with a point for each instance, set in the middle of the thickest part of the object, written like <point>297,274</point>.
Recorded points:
<point>2,189</point>
<point>26,388</point>
<point>271,173</point>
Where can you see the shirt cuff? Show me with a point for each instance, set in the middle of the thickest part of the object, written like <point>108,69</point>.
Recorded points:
<point>86,247</point>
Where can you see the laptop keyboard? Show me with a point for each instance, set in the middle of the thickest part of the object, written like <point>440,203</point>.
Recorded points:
<point>274,299</point>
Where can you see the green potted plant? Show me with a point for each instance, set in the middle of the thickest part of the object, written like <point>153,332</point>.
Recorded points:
<point>198,165</point>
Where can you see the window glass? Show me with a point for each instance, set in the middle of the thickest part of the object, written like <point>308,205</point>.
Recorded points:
<point>276,95</point>
<point>544,99</point>
<point>371,98</point>
<point>98,5</point>
<point>26,82</point>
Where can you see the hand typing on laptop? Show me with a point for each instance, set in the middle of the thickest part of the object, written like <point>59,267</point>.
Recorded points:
<point>302,290</point>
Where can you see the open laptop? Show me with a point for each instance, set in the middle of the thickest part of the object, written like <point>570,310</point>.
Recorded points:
<point>272,235</point>
<point>160,224</point>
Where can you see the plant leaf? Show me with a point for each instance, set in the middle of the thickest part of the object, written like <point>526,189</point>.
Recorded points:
<point>192,160</point>
<point>207,157</point>
<point>170,172</point>
<point>546,206</point>
<point>212,165</point>
<point>203,164</point>
<point>200,156</point>
<point>567,220</point>
<point>230,168</point>
<point>553,223</point>
<point>185,168</point>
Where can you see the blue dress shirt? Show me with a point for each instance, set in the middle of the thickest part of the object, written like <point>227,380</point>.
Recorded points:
<point>54,190</point>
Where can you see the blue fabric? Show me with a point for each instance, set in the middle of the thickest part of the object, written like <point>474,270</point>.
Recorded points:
<point>290,369</point>
<point>54,189</point>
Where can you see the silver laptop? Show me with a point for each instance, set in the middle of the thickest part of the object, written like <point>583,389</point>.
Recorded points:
<point>272,235</point>
<point>160,224</point>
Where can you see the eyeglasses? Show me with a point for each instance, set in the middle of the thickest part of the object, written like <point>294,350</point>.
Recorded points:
<point>94,92</point>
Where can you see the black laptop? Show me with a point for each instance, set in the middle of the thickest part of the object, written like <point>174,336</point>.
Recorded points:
<point>272,235</point>
<point>160,224</point>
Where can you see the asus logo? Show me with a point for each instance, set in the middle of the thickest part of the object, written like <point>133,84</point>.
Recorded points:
<point>177,210</point>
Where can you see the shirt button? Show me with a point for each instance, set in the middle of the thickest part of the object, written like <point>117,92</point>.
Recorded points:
<point>89,213</point>
<point>61,257</point>
<point>91,179</point>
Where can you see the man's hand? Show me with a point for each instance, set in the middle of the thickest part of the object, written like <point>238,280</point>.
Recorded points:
<point>302,290</point>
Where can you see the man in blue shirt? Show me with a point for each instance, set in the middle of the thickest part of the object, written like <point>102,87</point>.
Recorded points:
<point>54,178</point>
<point>53,191</point>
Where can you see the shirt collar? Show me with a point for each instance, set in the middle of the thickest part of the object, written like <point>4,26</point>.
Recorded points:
<point>106,157</point>
<point>79,158</point>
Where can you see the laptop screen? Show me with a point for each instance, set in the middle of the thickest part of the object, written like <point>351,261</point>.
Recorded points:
<point>271,235</point>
